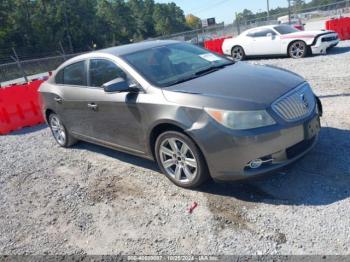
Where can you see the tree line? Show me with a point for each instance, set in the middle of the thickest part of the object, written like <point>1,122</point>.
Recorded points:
<point>39,26</point>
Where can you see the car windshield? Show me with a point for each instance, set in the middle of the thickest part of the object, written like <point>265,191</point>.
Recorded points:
<point>171,64</point>
<point>285,29</point>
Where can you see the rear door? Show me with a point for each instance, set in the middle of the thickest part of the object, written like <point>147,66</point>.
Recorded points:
<point>71,101</point>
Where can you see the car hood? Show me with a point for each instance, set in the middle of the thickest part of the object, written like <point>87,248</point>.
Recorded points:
<point>241,86</point>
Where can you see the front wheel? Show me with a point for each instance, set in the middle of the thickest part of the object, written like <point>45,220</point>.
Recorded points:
<point>297,49</point>
<point>181,160</point>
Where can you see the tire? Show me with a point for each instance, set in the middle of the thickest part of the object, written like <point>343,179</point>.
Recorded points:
<point>298,49</point>
<point>180,160</point>
<point>238,53</point>
<point>59,131</point>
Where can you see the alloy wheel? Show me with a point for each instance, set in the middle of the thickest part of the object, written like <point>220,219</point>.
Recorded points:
<point>58,130</point>
<point>237,53</point>
<point>178,160</point>
<point>297,50</point>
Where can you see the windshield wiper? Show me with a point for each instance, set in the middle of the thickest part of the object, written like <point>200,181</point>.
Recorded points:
<point>183,80</point>
<point>212,69</point>
<point>200,73</point>
<point>186,92</point>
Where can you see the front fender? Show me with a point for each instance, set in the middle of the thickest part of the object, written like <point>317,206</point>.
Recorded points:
<point>228,44</point>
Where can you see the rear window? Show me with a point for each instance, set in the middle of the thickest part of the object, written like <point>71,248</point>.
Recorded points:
<point>74,74</point>
<point>59,77</point>
<point>285,29</point>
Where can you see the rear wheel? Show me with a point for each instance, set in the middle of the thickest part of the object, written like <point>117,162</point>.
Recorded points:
<point>297,49</point>
<point>180,160</point>
<point>238,53</point>
<point>59,132</point>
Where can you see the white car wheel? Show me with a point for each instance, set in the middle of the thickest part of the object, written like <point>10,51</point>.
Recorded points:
<point>238,53</point>
<point>297,49</point>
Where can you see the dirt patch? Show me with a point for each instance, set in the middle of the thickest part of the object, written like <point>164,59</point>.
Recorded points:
<point>228,213</point>
<point>109,188</point>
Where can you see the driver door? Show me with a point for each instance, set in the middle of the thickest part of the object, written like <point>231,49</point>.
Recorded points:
<point>116,117</point>
<point>266,42</point>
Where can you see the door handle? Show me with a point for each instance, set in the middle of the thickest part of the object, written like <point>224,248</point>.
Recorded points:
<point>58,100</point>
<point>92,106</point>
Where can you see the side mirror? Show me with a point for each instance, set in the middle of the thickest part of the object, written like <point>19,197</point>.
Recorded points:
<point>270,35</point>
<point>119,85</point>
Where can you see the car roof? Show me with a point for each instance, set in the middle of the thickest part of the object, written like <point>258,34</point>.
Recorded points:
<point>261,27</point>
<point>132,48</point>
<point>119,50</point>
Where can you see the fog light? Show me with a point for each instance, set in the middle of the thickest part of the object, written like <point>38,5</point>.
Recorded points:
<point>255,163</point>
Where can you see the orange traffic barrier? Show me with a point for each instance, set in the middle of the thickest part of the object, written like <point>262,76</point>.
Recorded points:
<point>215,45</point>
<point>341,26</point>
<point>20,106</point>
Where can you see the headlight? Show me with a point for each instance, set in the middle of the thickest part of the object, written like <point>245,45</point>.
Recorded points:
<point>240,120</point>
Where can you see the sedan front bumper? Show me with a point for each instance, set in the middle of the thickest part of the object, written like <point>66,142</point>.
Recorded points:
<point>228,156</point>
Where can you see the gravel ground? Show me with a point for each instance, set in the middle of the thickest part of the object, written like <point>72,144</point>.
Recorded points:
<point>91,200</point>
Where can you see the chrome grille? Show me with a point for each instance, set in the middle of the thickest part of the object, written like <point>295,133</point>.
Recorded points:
<point>329,39</point>
<point>295,105</point>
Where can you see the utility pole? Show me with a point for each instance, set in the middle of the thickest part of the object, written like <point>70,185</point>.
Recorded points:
<point>237,24</point>
<point>268,10</point>
<point>289,12</point>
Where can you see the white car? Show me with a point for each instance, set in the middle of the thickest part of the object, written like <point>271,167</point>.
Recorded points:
<point>279,40</point>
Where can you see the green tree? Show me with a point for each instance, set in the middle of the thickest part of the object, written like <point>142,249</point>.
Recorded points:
<point>193,21</point>
<point>142,12</point>
<point>246,16</point>
<point>168,19</point>
<point>38,26</point>
<point>115,22</point>
<point>298,5</point>
<point>7,23</point>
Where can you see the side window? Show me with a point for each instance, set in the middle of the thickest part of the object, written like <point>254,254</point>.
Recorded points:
<point>251,33</point>
<point>59,77</point>
<point>75,74</point>
<point>102,71</point>
<point>263,32</point>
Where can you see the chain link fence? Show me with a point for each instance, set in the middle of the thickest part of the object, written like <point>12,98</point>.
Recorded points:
<point>19,67</point>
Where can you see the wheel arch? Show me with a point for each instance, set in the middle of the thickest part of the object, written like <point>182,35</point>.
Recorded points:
<point>298,40</point>
<point>160,128</point>
<point>237,45</point>
<point>164,126</point>
<point>48,112</point>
